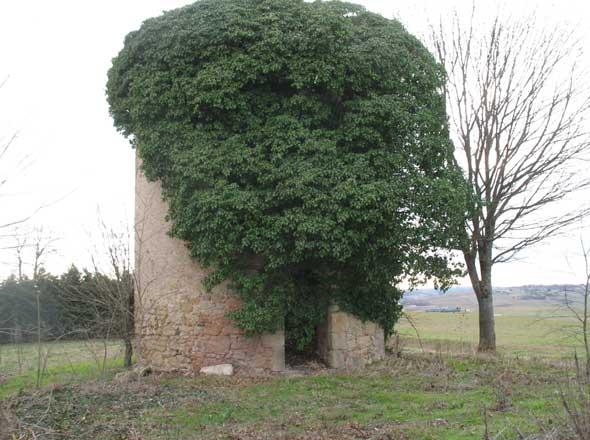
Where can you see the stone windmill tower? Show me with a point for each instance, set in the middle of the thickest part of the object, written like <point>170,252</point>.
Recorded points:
<point>181,326</point>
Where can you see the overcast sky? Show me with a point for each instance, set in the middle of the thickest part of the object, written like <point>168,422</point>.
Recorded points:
<point>69,159</point>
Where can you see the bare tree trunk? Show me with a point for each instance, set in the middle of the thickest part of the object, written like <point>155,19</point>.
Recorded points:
<point>129,328</point>
<point>128,353</point>
<point>487,326</point>
<point>584,320</point>
<point>39,373</point>
<point>481,281</point>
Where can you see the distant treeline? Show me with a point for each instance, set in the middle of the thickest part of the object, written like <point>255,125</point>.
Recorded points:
<point>74,305</point>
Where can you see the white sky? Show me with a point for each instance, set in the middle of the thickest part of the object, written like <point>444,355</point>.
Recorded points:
<point>56,54</point>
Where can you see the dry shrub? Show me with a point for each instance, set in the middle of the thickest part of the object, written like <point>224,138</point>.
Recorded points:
<point>576,402</point>
<point>7,424</point>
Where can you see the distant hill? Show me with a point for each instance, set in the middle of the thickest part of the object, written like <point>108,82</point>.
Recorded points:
<point>436,292</point>
<point>463,297</point>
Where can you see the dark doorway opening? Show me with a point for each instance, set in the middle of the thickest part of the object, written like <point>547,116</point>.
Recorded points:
<point>306,313</point>
<point>298,356</point>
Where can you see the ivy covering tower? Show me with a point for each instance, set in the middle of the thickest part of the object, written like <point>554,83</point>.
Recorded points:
<point>302,149</point>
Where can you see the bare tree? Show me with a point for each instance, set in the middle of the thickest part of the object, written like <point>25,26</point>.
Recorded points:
<point>106,299</point>
<point>12,164</point>
<point>5,145</point>
<point>518,111</point>
<point>19,251</point>
<point>33,246</point>
<point>575,394</point>
<point>579,308</point>
<point>118,296</point>
<point>3,152</point>
<point>43,245</point>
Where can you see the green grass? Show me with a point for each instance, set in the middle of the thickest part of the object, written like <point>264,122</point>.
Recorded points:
<point>441,392</point>
<point>16,359</point>
<point>65,374</point>
<point>61,362</point>
<point>417,396</point>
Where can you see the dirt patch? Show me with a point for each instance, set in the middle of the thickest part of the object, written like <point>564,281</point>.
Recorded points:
<point>350,431</point>
<point>7,423</point>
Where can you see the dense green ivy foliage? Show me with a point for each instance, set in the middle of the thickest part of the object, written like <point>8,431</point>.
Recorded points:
<point>302,148</point>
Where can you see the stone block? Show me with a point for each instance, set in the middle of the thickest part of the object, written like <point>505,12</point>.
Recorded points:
<point>336,359</point>
<point>273,340</point>
<point>218,370</point>
<point>345,342</point>
<point>338,322</point>
<point>338,341</point>
<point>213,329</point>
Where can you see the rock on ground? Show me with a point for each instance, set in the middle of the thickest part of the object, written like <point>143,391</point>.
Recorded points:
<point>219,370</point>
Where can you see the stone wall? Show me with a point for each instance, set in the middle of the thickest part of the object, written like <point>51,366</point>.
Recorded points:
<point>179,325</point>
<point>345,342</point>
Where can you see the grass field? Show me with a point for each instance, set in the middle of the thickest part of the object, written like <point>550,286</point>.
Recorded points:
<point>413,397</point>
<point>525,332</point>
<point>443,391</point>
<point>19,358</point>
<point>23,365</point>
